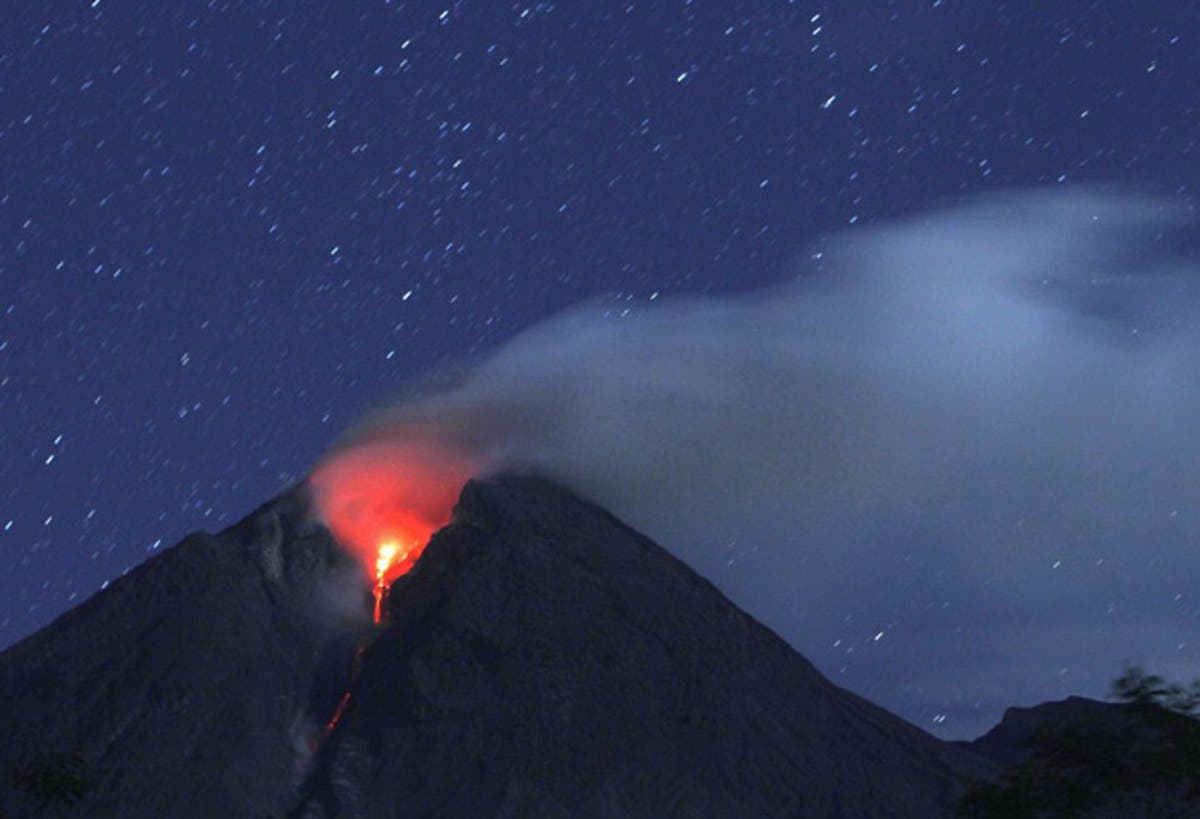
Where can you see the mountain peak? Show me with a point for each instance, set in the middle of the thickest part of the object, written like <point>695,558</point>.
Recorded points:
<point>540,659</point>
<point>544,659</point>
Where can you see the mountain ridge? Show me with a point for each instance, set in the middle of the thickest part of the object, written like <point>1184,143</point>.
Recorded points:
<point>701,672</point>
<point>541,659</point>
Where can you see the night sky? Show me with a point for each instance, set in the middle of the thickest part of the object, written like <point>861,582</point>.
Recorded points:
<point>228,229</point>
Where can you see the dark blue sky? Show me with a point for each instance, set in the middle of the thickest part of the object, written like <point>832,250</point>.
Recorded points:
<point>228,228</point>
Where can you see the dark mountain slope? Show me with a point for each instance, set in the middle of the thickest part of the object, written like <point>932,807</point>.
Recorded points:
<point>185,684</point>
<point>1079,757</point>
<point>543,659</point>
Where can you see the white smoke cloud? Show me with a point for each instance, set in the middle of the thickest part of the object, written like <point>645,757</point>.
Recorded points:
<point>969,429</point>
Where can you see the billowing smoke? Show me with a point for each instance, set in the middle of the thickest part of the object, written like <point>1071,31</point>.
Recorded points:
<point>954,462</point>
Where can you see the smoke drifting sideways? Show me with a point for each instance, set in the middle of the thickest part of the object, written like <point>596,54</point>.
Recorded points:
<point>956,466</point>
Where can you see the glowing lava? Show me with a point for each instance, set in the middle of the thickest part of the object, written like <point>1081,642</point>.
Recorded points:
<point>383,499</point>
<point>334,720</point>
<point>383,563</point>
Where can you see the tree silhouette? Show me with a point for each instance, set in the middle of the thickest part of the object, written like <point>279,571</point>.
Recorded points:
<point>1144,760</point>
<point>51,779</point>
<point>1136,687</point>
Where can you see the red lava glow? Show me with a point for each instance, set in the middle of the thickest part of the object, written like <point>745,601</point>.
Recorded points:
<point>383,500</point>
<point>334,720</point>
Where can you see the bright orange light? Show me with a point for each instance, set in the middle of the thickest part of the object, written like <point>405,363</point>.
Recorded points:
<point>388,552</point>
<point>384,499</point>
<point>335,719</point>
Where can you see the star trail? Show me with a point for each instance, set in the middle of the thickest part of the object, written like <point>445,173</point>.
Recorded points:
<point>228,229</point>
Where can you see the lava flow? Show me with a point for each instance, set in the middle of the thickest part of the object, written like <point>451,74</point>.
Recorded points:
<point>338,712</point>
<point>388,553</point>
<point>383,500</point>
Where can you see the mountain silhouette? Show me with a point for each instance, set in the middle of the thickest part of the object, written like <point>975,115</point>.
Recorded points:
<point>541,659</point>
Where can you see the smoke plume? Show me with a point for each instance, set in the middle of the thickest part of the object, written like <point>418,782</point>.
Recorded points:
<point>954,461</point>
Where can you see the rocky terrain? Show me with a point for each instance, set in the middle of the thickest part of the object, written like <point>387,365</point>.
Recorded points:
<point>542,659</point>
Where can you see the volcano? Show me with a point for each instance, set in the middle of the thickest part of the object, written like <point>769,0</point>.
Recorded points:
<point>539,659</point>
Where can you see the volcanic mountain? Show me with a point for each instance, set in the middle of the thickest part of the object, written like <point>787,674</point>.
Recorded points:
<point>540,659</point>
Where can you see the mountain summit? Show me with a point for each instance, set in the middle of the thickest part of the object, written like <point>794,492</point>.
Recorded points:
<point>541,659</point>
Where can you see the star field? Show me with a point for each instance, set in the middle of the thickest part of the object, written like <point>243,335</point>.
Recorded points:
<point>227,229</point>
